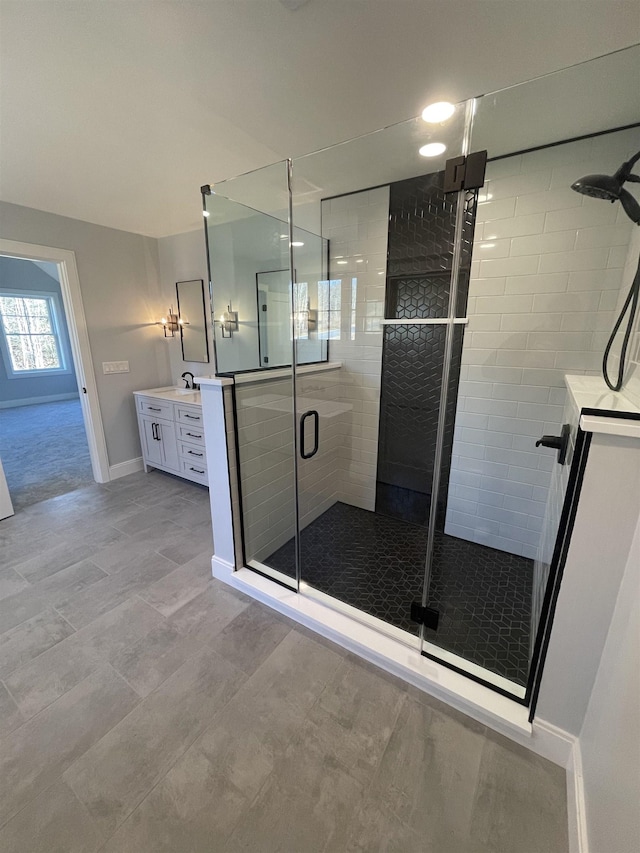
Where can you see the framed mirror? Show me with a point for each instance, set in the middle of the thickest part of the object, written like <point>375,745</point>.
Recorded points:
<point>192,318</point>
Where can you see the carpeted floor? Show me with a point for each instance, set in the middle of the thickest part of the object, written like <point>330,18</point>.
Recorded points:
<point>44,451</point>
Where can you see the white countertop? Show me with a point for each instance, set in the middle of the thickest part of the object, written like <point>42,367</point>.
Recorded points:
<point>603,410</point>
<point>175,395</point>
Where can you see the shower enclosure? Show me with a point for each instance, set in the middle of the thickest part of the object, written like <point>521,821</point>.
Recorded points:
<point>404,327</point>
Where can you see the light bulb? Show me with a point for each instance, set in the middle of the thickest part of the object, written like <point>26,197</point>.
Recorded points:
<point>432,149</point>
<point>206,213</point>
<point>438,112</point>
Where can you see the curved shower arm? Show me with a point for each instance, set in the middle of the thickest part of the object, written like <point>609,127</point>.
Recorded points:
<point>624,172</point>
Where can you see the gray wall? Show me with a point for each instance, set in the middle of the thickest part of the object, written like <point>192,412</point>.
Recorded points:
<point>25,275</point>
<point>610,738</point>
<point>119,280</point>
<point>183,258</point>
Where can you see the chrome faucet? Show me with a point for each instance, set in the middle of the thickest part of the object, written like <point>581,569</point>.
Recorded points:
<point>188,384</point>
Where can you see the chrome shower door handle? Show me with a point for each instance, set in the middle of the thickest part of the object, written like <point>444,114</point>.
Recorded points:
<point>312,413</point>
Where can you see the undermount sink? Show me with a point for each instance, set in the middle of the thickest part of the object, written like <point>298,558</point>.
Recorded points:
<point>172,391</point>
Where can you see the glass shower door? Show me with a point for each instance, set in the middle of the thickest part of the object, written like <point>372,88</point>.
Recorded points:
<point>547,273</point>
<point>366,449</point>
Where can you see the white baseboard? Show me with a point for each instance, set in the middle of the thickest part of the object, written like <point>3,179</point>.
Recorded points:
<point>32,401</point>
<point>552,743</point>
<point>576,804</point>
<point>221,569</point>
<point>123,469</point>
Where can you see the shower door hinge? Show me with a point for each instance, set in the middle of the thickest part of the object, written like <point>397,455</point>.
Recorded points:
<point>465,173</point>
<point>426,616</point>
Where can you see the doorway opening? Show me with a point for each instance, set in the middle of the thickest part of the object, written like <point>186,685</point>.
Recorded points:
<point>51,438</point>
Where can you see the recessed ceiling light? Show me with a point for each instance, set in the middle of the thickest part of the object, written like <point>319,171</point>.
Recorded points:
<point>487,245</point>
<point>438,112</point>
<point>360,261</point>
<point>341,262</point>
<point>432,149</point>
<point>206,213</point>
<point>284,236</point>
<point>297,243</point>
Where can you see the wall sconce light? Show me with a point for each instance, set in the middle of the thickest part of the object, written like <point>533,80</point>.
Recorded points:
<point>170,324</point>
<point>229,322</point>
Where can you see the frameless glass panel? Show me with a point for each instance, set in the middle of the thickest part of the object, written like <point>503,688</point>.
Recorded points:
<point>248,246</point>
<point>242,244</point>
<point>367,419</point>
<point>547,274</point>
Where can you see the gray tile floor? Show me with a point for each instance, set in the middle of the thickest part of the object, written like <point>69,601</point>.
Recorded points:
<point>145,708</point>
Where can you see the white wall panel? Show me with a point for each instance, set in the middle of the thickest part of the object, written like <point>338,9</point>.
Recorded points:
<point>541,304</point>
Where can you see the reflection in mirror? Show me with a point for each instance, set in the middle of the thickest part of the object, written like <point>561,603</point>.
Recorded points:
<point>252,275</point>
<point>192,320</point>
<point>273,317</point>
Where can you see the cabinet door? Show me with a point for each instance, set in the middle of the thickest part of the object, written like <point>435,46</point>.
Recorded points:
<point>151,446</point>
<point>168,445</point>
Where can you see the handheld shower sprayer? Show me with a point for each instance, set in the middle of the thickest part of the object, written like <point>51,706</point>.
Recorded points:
<point>611,188</point>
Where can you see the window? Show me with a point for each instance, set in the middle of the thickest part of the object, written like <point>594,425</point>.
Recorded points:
<point>329,313</point>
<point>30,338</point>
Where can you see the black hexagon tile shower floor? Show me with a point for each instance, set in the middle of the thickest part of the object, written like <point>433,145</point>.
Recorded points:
<point>376,563</point>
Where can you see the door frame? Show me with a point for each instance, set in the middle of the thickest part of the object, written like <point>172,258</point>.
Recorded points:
<point>65,261</point>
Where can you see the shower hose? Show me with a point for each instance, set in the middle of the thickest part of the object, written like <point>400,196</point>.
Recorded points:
<point>631,304</point>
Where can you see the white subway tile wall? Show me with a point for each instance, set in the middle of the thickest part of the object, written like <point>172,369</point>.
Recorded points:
<point>347,399</point>
<point>357,228</point>
<point>547,275</point>
<point>265,440</point>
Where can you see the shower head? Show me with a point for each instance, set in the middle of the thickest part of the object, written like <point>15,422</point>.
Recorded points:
<point>598,186</point>
<point>610,188</point>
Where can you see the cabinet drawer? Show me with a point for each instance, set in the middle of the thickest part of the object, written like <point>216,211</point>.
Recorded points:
<point>192,434</point>
<point>194,471</point>
<point>189,415</point>
<point>193,453</point>
<point>156,408</point>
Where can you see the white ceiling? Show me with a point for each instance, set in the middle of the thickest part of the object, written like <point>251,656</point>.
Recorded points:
<point>116,112</point>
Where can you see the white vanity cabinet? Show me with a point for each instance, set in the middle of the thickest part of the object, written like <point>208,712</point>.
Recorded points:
<point>171,432</point>
<point>158,443</point>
